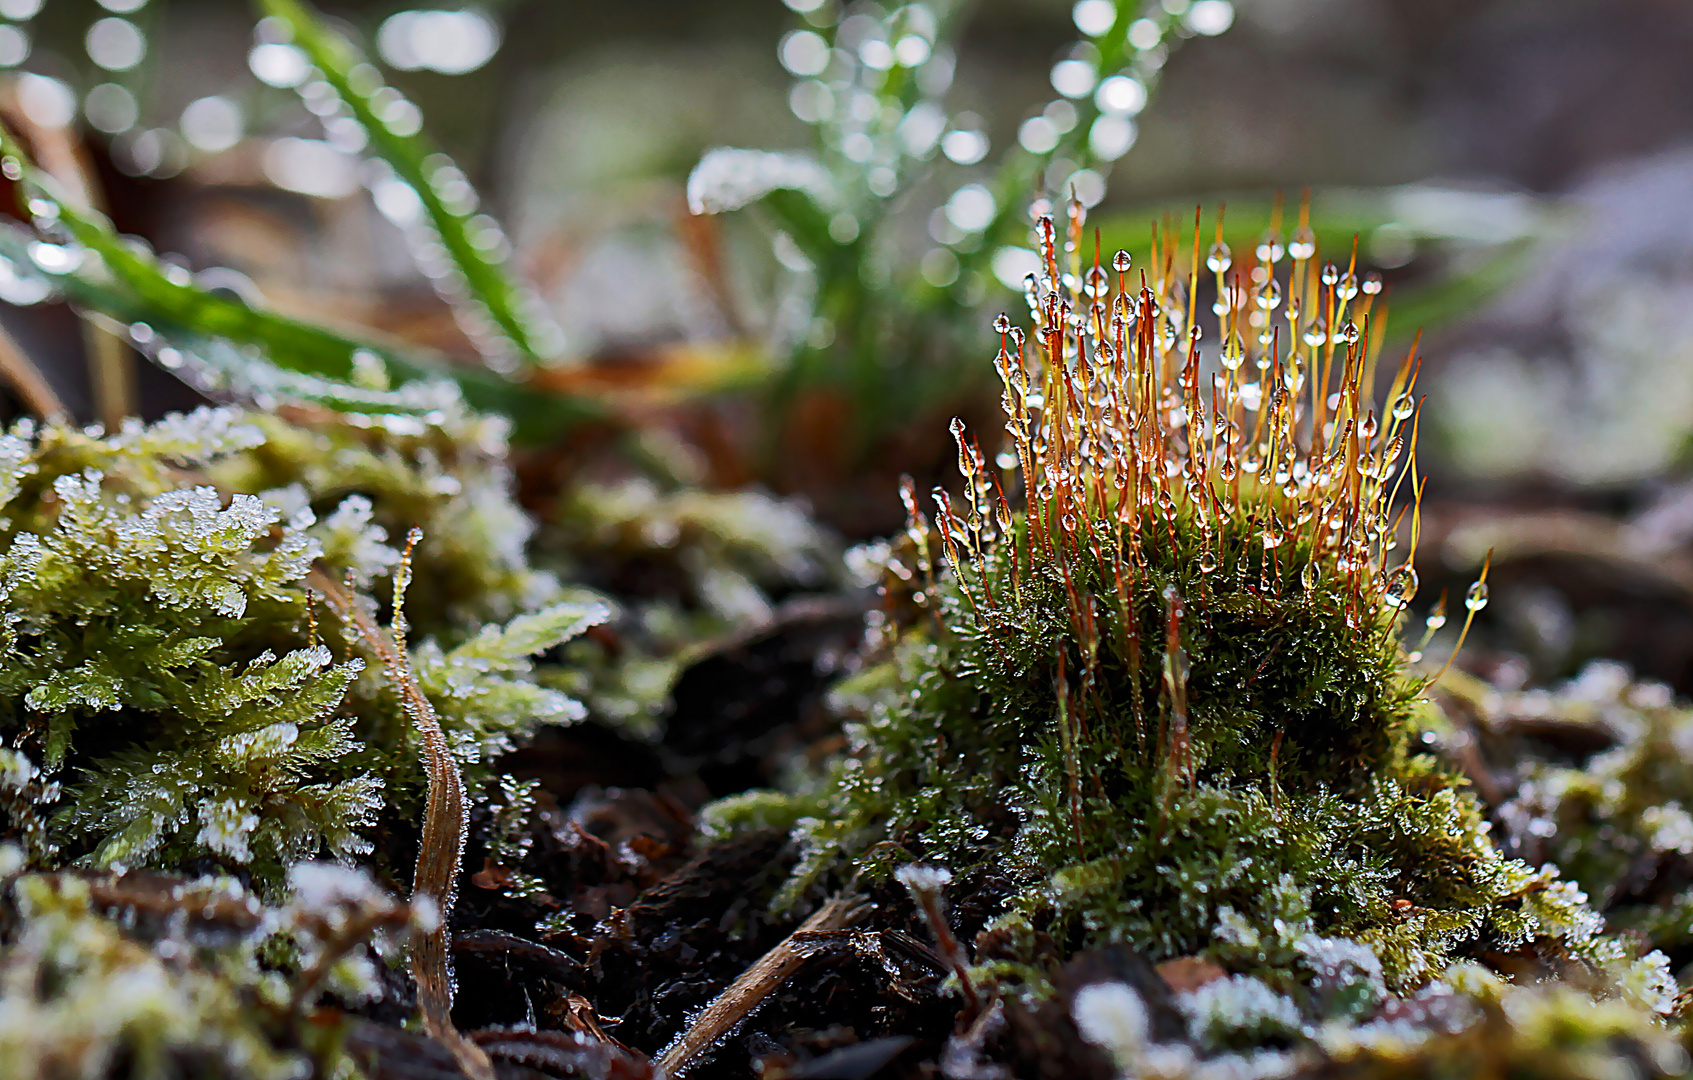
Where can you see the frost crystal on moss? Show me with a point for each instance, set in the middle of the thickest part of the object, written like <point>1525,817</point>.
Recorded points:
<point>165,695</point>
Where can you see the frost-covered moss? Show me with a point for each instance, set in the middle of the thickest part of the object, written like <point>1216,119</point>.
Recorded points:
<point>446,472</point>
<point>150,976</point>
<point>1601,788</point>
<point>1165,702</point>
<point>687,566</point>
<point>1472,1025</point>
<point>165,695</point>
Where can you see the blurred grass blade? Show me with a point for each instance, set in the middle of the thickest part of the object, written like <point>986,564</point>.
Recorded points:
<point>215,335</point>
<point>501,315</point>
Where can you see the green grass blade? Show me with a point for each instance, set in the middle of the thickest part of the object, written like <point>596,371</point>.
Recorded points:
<point>501,314</point>
<point>90,265</point>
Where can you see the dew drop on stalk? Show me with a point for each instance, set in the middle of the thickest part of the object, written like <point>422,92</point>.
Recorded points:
<point>1001,324</point>
<point>1331,273</point>
<point>1349,332</point>
<point>1121,262</point>
<point>1310,575</point>
<point>1476,598</point>
<point>1372,283</point>
<point>1207,561</point>
<point>1436,618</point>
<point>1303,244</point>
<point>1401,587</point>
<point>1403,407</point>
<point>1348,287</point>
<point>1219,258</point>
<point>1316,334</point>
<point>1270,295</point>
<point>1270,247</point>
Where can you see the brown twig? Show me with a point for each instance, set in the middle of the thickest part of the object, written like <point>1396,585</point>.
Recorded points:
<point>748,992</point>
<point>111,367</point>
<point>444,817</point>
<point>23,376</point>
<point>927,885</point>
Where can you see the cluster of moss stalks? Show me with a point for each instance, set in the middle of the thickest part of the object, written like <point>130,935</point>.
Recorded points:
<point>1165,705</point>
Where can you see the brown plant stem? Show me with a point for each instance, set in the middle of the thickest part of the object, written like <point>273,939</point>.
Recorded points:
<point>445,818</point>
<point>748,992</point>
<point>26,379</point>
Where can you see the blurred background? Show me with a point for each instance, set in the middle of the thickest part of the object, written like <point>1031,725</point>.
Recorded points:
<point>1520,172</point>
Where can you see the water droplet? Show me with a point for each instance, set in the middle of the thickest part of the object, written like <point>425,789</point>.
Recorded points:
<point>1234,352</point>
<point>1207,561</point>
<point>1476,598</point>
<point>1349,332</point>
<point>1270,295</point>
<point>1001,324</point>
<point>1303,245</point>
<point>1436,618</point>
<point>1270,247</point>
<point>1121,262</point>
<point>1372,283</point>
<point>1403,407</point>
<point>1310,576</point>
<point>1219,258</point>
<point>1316,334</point>
<point>1331,273</point>
<point>1348,287</point>
<point>1401,587</point>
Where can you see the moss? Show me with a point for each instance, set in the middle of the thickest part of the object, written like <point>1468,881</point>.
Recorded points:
<point>1613,815</point>
<point>150,976</point>
<point>164,691</point>
<point>1166,698</point>
<point>1471,1025</point>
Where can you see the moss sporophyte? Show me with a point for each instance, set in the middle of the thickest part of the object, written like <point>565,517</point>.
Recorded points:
<point>1165,703</point>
